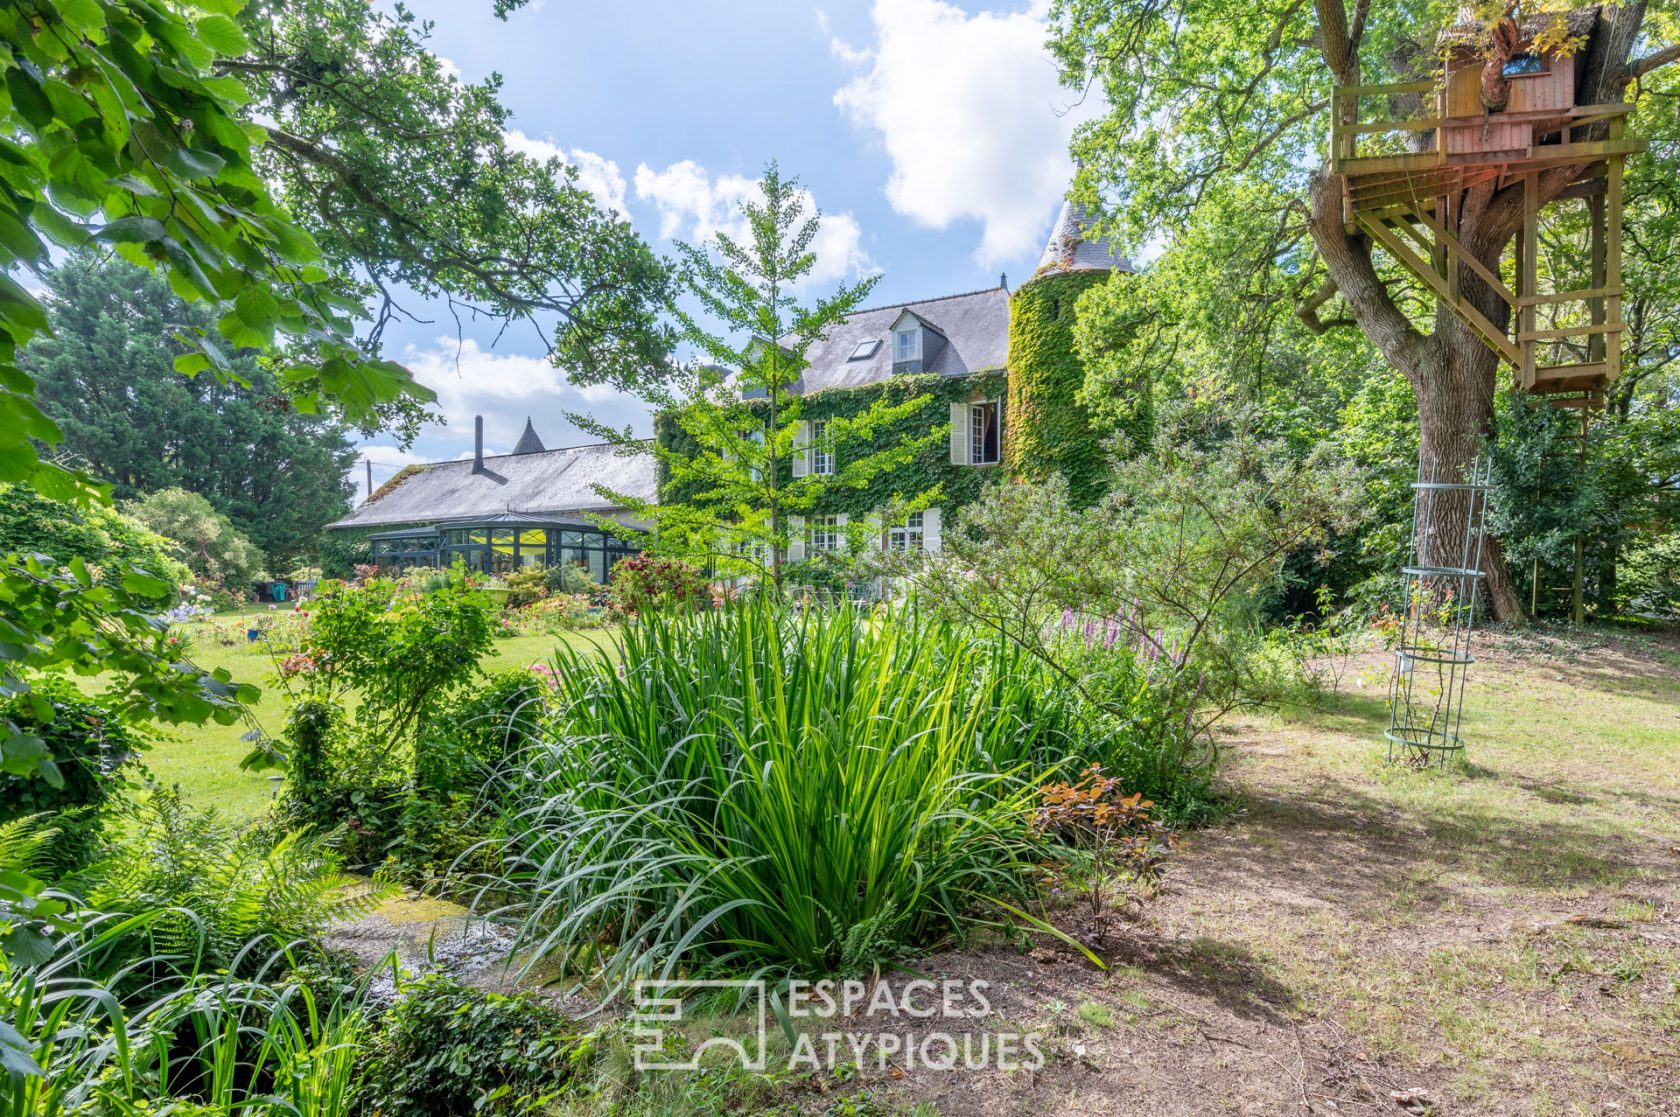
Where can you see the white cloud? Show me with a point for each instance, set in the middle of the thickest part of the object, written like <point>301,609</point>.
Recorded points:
<point>971,115</point>
<point>596,173</point>
<point>505,388</point>
<point>693,206</point>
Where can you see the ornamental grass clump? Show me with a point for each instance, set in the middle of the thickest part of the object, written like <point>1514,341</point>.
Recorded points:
<point>755,790</point>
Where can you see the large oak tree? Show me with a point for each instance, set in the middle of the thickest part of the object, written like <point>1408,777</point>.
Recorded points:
<point>1223,104</point>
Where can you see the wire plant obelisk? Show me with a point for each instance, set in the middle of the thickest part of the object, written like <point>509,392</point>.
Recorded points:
<point>1443,581</point>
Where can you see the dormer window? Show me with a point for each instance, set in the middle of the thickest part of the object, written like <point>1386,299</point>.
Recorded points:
<point>907,345</point>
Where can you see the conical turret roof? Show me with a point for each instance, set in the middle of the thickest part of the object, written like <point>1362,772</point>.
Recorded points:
<point>1071,248</point>
<point>529,443</point>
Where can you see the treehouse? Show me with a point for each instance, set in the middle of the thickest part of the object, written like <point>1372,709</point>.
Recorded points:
<point>1502,113</point>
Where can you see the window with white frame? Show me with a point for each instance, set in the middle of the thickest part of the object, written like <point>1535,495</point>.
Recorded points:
<point>824,534</point>
<point>907,344</point>
<point>908,536</point>
<point>822,447</point>
<point>985,444</point>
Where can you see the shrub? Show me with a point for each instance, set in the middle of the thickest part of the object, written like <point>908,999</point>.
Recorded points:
<point>1123,843</point>
<point>445,1049</point>
<point>204,538</point>
<point>212,888</point>
<point>648,584</point>
<point>465,742</point>
<point>527,587</point>
<point>448,812</point>
<point>403,648</point>
<point>567,613</point>
<point>104,538</point>
<point>758,789</point>
<point>88,747</point>
<point>1131,708</point>
<point>570,578</point>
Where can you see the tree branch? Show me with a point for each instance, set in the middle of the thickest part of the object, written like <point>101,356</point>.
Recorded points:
<point>1642,66</point>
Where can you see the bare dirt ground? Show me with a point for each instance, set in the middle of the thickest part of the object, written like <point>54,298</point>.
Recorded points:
<point>1358,938</point>
<point>1355,937</point>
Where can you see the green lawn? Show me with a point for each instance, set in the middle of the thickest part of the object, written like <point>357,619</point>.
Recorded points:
<point>204,759</point>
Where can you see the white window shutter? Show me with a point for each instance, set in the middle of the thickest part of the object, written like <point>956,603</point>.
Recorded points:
<point>930,529</point>
<point>802,450</point>
<point>796,537</point>
<point>959,434</point>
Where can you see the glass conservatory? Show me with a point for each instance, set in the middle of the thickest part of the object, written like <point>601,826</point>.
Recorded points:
<point>505,543</point>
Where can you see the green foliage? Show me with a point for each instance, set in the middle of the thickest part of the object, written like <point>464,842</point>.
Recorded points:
<point>445,1049</point>
<point>570,578</point>
<point>205,540</point>
<point>217,892</point>
<point>644,584</point>
<point>925,476</point>
<point>731,495</point>
<point>753,789</point>
<point>121,133</point>
<point>401,648</point>
<point>1648,576</point>
<point>466,741</point>
<point>1174,566</point>
<point>526,587</point>
<point>54,617</point>
<point>107,540</point>
<point>88,746</point>
<point>405,175</point>
<point>106,377</point>
<point>1544,495</point>
<point>338,553</point>
<point>191,1043</point>
<point>1050,429</point>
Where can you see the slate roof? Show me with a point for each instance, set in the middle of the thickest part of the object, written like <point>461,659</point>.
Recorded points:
<point>528,442</point>
<point>975,326</point>
<point>549,481</point>
<point>1069,250</point>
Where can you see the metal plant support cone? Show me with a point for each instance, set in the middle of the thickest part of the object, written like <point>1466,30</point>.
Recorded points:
<point>1443,581</point>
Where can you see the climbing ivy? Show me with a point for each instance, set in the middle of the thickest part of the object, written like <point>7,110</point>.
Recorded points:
<point>1050,430</point>
<point>929,468</point>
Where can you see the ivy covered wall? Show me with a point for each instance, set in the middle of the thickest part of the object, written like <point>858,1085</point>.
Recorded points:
<point>1049,430</point>
<point>960,484</point>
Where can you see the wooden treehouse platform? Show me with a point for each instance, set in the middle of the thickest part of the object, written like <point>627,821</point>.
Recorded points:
<point>1408,202</point>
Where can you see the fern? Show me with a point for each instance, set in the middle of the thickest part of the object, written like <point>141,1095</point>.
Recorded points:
<point>24,843</point>
<point>218,887</point>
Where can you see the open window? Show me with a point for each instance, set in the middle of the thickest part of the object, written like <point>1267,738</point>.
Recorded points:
<point>985,432</point>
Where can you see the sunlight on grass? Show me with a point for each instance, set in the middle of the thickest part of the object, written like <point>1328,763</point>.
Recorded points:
<point>204,759</point>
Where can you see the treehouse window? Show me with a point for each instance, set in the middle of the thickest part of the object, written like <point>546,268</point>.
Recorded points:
<point>1521,64</point>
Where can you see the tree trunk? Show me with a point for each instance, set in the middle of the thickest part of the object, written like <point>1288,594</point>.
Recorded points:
<point>1452,371</point>
<point>1455,412</point>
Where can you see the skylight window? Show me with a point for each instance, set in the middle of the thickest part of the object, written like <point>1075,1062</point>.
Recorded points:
<point>865,350</point>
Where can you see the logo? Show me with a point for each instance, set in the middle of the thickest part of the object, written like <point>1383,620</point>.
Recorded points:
<point>937,1025</point>
<point>658,1009</point>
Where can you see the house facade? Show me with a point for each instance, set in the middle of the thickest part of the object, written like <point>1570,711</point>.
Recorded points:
<point>999,367</point>
<point>1001,370</point>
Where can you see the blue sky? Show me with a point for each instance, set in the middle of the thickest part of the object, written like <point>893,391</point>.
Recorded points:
<point>933,136</point>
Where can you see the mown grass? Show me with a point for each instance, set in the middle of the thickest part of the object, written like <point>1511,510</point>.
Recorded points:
<point>203,760</point>
<point>1496,922</point>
